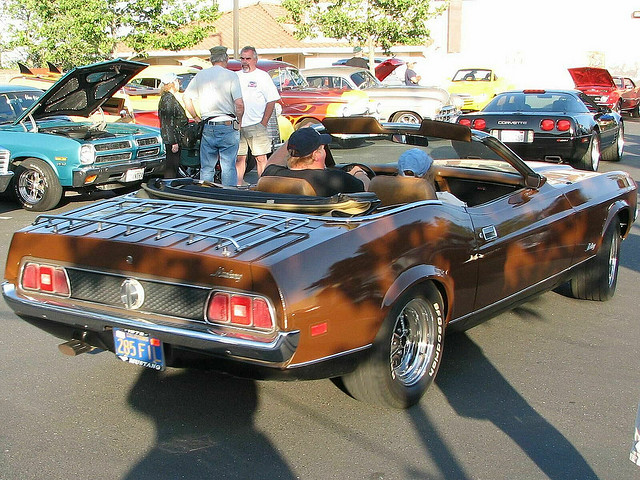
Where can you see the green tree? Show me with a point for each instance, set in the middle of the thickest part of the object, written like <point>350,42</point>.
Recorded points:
<point>76,32</point>
<point>372,23</point>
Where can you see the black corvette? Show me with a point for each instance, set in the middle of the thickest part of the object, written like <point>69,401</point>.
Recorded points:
<point>560,126</point>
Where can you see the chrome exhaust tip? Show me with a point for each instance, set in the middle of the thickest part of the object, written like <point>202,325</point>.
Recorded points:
<point>74,347</point>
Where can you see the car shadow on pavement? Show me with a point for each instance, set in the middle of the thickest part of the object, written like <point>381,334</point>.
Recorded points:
<point>204,428</point>
<point>476,389</point>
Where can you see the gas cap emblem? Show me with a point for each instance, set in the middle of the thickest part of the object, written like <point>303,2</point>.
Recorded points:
<point>132,294</point>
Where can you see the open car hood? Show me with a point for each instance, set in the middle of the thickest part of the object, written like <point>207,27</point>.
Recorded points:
<point>386,68</point>
<point>82,90</point>
<point>591,77</point>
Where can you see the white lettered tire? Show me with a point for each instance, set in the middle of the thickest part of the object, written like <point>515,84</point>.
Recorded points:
<point>406,353</point>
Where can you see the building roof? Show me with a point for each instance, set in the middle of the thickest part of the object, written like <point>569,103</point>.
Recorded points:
<point>259,26</point>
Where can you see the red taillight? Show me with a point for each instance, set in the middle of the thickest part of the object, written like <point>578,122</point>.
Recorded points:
<point>547,124</point>
<point>465,121</point>
<point>479,124</point>
<point>45,278</point>
<point>241,310</point>
<point>261,314</point>
<point>563,125</point>
<point>30,277</point>
<point>218,310</point>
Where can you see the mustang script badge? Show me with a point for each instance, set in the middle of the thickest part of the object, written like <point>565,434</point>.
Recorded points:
<point>132,294</point>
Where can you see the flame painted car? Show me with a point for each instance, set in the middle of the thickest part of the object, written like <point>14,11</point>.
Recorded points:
<point>406,104</point>
<point>560,126</point>
<point>477,86</point>
<point>50,153</point>
<point>272,282</point>
<point>303,105</point>
<point>620,94</point>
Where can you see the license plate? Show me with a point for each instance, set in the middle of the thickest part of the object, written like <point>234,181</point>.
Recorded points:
<point>138,348</point>
<point>512,136</point>
<point>134,174</point>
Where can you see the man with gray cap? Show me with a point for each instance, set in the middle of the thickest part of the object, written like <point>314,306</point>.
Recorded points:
<point>214,96</point>
<point>357,60</point>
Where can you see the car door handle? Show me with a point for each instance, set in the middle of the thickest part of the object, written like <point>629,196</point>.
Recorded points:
<point>489,233</point>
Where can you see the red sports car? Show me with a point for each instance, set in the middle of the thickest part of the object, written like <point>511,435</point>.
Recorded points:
<point>617,93</point>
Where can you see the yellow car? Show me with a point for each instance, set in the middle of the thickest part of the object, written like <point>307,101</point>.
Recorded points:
<point>476,87</point>
<point>144,89</point>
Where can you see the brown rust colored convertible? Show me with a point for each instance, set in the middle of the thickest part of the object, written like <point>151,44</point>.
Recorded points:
<point>273,282</point>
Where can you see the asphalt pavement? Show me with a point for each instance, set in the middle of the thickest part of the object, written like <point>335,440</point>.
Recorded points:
<point>548,390</point>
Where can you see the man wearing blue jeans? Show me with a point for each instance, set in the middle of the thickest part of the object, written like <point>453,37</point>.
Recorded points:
<point>216,92</point>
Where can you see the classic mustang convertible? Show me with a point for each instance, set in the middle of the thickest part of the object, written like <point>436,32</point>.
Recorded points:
<point>273,282</point>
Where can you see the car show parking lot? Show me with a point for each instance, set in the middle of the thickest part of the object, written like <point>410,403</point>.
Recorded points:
<point>546,390</point>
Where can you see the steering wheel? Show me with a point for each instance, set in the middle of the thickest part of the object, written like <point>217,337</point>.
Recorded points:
<point>367,169</point>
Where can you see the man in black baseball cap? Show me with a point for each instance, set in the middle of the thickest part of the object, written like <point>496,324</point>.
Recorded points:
<point>305,155</point>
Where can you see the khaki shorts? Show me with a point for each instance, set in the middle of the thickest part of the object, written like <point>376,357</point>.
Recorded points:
<point>255,137</point>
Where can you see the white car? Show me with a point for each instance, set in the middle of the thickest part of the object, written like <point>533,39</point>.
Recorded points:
<point>404,104</point>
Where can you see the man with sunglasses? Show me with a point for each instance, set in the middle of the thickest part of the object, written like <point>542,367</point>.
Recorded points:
<point>305,156</point>
<point>260,96</point>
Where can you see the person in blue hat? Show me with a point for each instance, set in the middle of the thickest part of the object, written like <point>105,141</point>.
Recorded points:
<point>304,156</point>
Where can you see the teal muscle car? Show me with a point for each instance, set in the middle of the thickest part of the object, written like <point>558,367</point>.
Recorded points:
<point>60,140</point>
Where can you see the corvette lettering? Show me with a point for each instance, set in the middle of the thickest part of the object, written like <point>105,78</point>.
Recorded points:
<point>512,122</point>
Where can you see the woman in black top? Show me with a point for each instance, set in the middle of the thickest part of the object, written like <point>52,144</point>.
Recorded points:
<point>173,123</point>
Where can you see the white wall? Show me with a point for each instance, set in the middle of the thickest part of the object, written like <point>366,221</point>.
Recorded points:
<point>534,41</point>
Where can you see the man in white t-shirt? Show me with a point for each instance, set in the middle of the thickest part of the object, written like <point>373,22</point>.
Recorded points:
<point>260,96</point>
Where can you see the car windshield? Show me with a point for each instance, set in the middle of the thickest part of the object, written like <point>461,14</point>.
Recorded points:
<point>287,78</point>
<point>328,81</point>
<point>479,154</point>
<point>14,103</point>
<point>472,75</point>
<point>364,79</point>
<point>536,102</point>
<point>618,82</point>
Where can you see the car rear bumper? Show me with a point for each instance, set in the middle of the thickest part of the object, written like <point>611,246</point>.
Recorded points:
<point>564,150</point>
<point>95,327</point>
<point>103,174</point>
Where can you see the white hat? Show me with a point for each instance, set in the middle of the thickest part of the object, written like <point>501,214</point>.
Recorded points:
<point>168,78</point>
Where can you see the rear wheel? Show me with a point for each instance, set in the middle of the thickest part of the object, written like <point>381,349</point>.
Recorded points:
<point>614,153</point>
<point>597,278</point>
<point>591,159</point>
<point>406,353</point>
<point>36,185</point>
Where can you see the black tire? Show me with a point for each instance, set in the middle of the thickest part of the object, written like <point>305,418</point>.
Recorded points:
<point>591,159</point>
<point>36,186</point>
<point>406,353</point>
<point>407,117</point>
<point>188,172</point>
<point>614,152</point>
<point>597,278</point>
<point>635,111</point>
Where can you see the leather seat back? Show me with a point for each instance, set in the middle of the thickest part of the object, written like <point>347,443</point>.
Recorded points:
<point>294,186</point>
<point>397,190</point>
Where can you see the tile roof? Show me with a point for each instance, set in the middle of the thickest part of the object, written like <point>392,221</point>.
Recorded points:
<point>259,26</point>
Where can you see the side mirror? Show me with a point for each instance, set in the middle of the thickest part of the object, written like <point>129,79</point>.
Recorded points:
<point>534,180</point>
